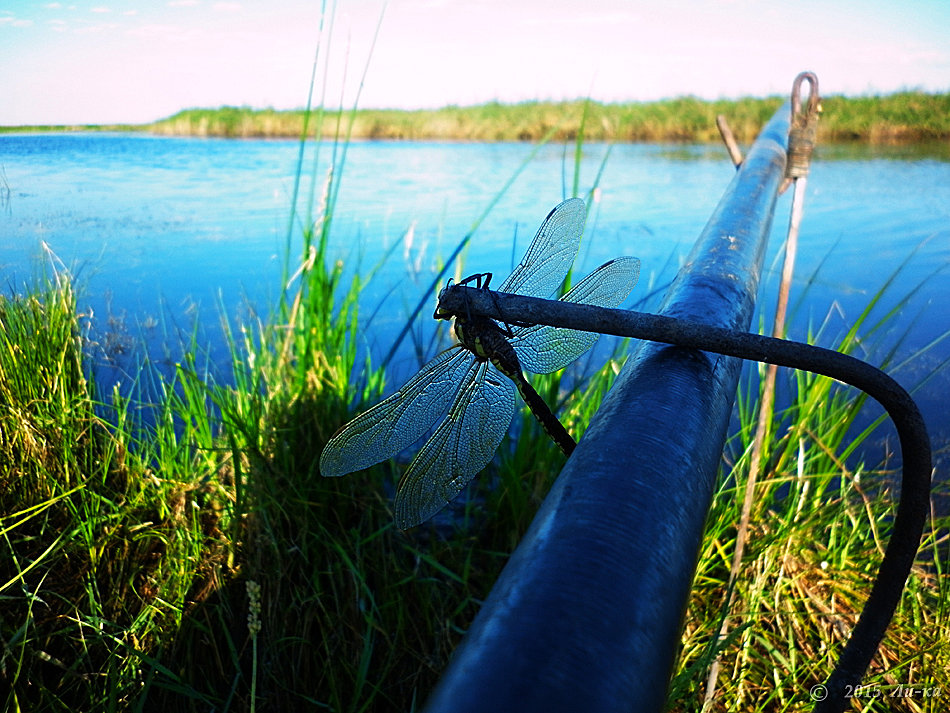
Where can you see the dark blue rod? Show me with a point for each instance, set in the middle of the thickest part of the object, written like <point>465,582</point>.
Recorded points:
<point>587,614</point>
<point>911,429</point>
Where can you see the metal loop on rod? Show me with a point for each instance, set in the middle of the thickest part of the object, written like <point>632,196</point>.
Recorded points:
<point>804,127</point>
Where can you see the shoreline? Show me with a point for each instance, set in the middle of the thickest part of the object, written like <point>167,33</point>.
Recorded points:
<point>901,118</point>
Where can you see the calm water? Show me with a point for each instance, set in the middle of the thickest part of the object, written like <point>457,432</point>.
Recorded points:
<point>158,230</point>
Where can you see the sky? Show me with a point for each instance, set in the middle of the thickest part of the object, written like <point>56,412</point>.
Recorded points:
<point>135,61</point>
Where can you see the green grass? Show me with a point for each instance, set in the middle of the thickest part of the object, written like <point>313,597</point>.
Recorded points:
<point>904,116</point>
<point>203,563</point>
<point>104,538</point>
<point>819,528</point>
<point>127,557</point>
<point>900,117</point>
<point>67,128</point>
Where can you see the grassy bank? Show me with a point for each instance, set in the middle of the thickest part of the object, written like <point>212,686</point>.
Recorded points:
<point>202,563</point>
<point>900,117</point>
<point>907,116</point>
<point>68,128</point>
<point>106,532</point>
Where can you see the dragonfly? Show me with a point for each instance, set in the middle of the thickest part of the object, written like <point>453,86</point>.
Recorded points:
<point>469,389</point>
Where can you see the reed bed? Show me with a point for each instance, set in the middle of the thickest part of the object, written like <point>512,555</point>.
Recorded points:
<point>900,117</point>
<point>106,532</point>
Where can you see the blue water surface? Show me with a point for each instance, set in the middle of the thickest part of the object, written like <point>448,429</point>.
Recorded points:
<point>161,232</point>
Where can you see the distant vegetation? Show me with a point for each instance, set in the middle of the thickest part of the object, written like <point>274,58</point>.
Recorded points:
<point>70,128</point>
<point>901,117</point>
<point>907,116</point>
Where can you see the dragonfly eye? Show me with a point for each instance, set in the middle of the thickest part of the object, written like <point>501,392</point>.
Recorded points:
<point>441,313</point>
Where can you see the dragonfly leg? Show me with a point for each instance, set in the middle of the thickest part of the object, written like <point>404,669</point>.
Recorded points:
<point>477,279</point>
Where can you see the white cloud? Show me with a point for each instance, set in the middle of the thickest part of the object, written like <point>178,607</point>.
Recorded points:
<point>96,28</point>
<point>168,33</point>
<point>8,19</point>
<point>227,6</point>
<point>182,3</point>
<point>100,10</point>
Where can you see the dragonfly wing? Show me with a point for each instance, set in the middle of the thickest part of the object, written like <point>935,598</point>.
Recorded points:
<point>460,447</point>
<point>542,349</point>
<point>396,423</point>
<point>551,253</point>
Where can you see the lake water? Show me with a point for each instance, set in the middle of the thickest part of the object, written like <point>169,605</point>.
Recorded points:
<point>158,230</point>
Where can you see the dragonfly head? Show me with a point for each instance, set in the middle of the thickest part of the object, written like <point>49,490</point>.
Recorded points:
<point>439,312</point>
<point>481,280</point>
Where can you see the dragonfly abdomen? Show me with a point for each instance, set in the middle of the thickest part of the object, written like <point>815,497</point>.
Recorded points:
<point>487,341</point>
<point>549,422</point>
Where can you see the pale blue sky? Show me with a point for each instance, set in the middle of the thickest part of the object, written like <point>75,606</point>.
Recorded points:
<point>138,60</point>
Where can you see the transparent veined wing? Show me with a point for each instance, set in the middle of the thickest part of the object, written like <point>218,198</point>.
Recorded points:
<point>551,253</point>
<point>399,421</point>
<point>461,446</point>
<point>542,349</point>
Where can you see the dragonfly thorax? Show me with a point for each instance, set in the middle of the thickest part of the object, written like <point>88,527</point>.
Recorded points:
<point>488,342</point>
